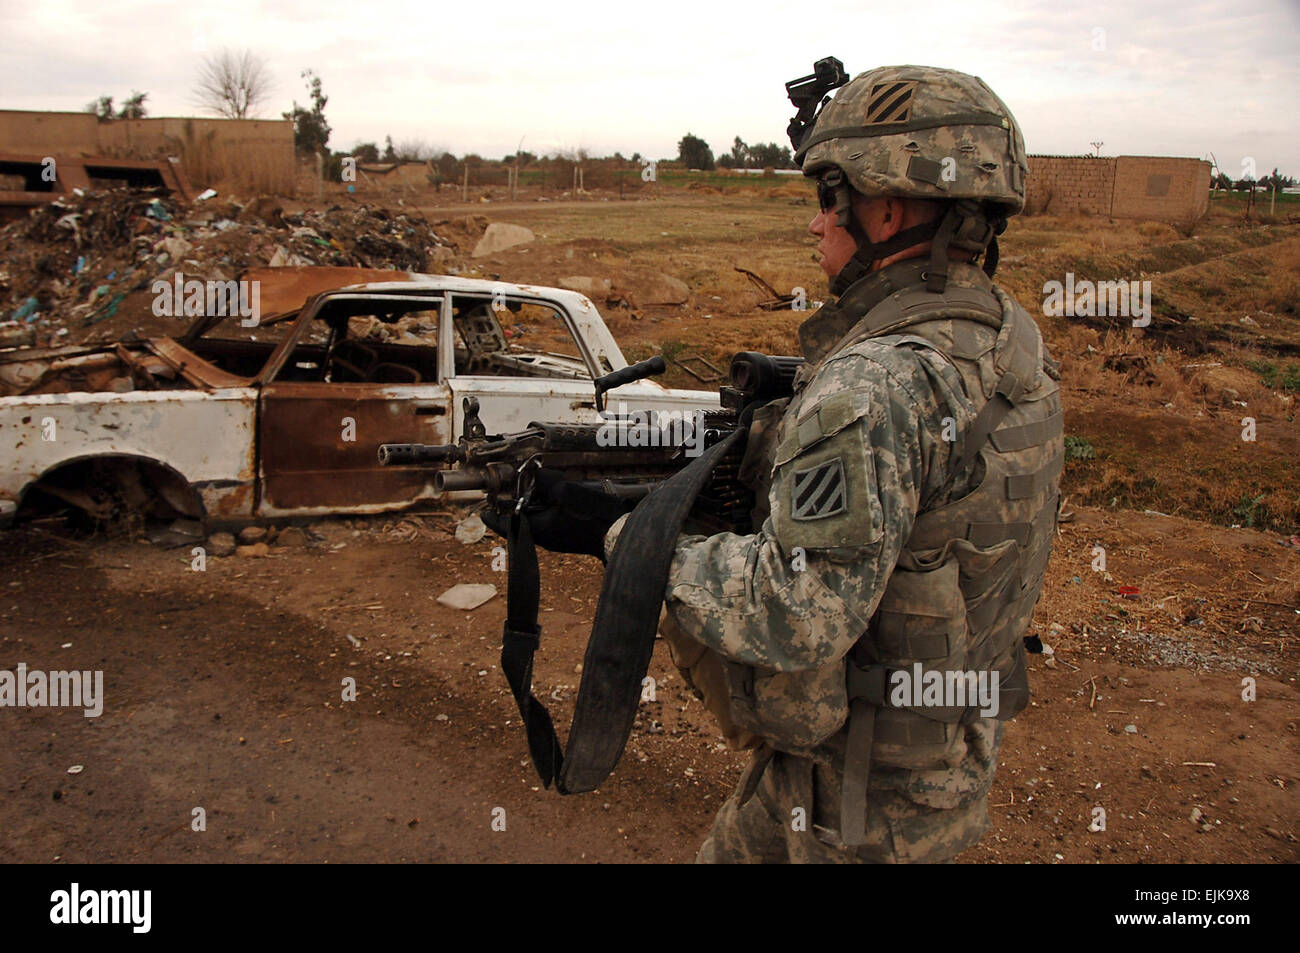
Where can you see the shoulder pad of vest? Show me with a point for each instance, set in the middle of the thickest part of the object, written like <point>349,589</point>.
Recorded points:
<point>1019,357</point>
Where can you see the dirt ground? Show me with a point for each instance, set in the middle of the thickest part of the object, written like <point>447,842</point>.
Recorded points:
<point>223,691</point>
<point>224,686</point>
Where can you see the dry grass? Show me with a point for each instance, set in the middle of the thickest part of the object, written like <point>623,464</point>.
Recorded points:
<point>1162,411</point>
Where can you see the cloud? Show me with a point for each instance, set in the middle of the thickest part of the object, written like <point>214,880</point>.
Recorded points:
<point>1143,76</point>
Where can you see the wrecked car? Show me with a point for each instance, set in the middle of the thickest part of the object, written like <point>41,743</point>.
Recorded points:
<point>224,424</point>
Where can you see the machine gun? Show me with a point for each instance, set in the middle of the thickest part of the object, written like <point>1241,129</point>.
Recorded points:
<point>625,456</point>
<point>696,474</point>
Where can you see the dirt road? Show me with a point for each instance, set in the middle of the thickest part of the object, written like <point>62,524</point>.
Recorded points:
<point>223,691</point>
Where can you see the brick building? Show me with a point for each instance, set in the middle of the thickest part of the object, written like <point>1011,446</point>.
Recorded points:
<point>1160,188</point>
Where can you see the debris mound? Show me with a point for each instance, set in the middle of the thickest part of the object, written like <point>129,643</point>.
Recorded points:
<point>79,260</point>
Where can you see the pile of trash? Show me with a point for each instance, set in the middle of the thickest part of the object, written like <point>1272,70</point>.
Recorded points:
<point>74,263</point>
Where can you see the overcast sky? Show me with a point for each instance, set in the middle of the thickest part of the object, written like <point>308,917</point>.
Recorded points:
<point>1155,77</point>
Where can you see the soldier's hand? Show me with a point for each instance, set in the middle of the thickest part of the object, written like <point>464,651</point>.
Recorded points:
<point>565,516</point>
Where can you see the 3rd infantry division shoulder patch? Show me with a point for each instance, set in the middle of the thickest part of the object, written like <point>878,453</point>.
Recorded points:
<point>818,491</point>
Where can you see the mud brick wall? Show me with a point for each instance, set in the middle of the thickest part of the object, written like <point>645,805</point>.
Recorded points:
<point>1161,188</point>
<point>251,152</point>
<point>1157,188</point>
<point>257,151</point>
<point>65,134</point>
<point>1070,185</point>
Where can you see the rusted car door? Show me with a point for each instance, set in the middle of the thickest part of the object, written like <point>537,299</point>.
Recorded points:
<point>318,438</point>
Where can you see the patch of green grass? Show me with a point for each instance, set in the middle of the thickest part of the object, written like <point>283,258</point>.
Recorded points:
<point>1078,448</point>
<point>1248,510</point>
<point>673,349</point>
<point>1267,372</point>
<point>1274,378</point>
<point>718,180</point>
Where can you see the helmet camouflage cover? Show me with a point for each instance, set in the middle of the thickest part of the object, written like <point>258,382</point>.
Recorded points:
<point>920,132</point>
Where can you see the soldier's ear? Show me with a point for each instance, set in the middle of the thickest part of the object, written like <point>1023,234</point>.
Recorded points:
<point>891,219</point>
<point>880,217</point>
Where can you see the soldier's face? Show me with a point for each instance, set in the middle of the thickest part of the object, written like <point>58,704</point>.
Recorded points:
<point>880,217</point>
<point>836,246</point>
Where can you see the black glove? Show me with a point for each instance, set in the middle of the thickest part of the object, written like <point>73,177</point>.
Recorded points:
<point>565,516</point>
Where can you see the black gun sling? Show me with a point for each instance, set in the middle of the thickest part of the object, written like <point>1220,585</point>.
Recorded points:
<point>622,635</point>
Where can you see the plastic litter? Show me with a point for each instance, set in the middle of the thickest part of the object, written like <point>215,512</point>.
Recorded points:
<point>26,309</point>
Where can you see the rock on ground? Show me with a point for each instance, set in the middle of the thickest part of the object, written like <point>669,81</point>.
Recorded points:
<point>583,284</point>
<point>221,544</point>
<point>467,595</point>
<point>292,536</point>
<point>500,236</point>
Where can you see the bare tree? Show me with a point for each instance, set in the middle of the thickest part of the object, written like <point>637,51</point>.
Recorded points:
<point>417,149</point>
<point>233,84</point>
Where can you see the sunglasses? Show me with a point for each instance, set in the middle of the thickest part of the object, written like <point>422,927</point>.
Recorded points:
<point>825,196</point>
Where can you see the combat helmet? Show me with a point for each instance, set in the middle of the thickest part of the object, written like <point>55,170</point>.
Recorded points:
<point>912,132</point>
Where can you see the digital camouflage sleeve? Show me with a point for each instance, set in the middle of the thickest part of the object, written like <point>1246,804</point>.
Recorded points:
<point>751,598</point>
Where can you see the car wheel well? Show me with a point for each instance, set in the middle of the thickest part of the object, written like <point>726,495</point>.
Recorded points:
<point>112,489</point>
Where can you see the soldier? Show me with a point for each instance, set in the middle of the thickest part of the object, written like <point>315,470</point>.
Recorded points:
<point>907,499</point>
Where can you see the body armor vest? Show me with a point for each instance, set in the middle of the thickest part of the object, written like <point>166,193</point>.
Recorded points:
<point>962,593</point>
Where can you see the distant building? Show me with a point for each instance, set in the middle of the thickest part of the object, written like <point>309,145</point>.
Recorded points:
<point>1160,188</point>
<point>256,153</point>
<point>409,173</point>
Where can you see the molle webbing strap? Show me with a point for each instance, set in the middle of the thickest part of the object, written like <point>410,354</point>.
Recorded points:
<point>758,763</point>
<point>1022,486</point>
<point>622,635</point>
<point>1018,361</point>
<point>857,768</point>
<point>990,534</point>
<point>1004,398</point>
<point>1011,439</point>
<point>937,277</point>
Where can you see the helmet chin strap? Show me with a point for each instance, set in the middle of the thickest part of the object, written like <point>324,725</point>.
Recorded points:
<point>963,226</point>
<point>869,252</point>
<point>966,227</point>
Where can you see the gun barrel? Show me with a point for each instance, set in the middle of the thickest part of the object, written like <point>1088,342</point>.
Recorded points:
<point>455,480</point>
<point>407,454</point>
<point>492,478</point>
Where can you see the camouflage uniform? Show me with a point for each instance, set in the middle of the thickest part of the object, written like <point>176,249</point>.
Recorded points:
<point>897,525</point>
